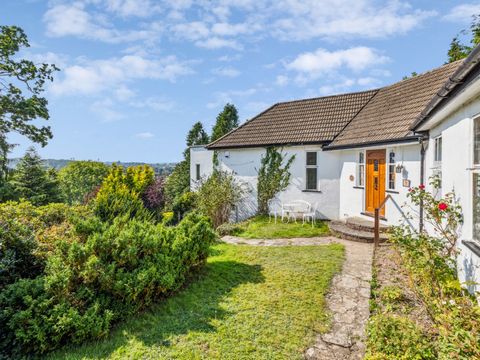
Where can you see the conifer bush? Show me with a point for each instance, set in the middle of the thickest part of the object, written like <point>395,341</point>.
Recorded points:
<point>112,269</point>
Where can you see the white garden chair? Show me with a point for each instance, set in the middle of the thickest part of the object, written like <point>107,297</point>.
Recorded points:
<point>295,209</point>
<point>275,208</point>
<point>311,215</point>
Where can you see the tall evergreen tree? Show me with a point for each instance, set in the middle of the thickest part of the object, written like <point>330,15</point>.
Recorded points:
<point>227,120</point>
<point>179,180</point>
<point>196,136</point>
<point>33,182</point>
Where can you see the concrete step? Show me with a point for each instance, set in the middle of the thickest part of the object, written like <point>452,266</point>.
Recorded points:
<point>344,231</point>
<point>362,224</point>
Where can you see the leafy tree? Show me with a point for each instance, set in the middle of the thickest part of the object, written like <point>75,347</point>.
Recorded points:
<point>457,50</point>
<point>217,197</point>
<point>272,177</point>
<point>33,182</point>
<point>196,136</point>
<point>178,182</point>
<point>79,178</point>
<point>21,83</point>
<point>227,120</point>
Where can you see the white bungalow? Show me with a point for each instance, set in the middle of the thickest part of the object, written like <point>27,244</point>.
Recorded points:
<point>352,150</point>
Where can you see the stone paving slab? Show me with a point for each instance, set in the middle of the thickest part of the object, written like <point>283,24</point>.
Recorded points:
<point>348,299</point>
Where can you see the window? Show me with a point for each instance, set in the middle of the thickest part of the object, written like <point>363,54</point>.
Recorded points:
<point>311,183</point>
<point>438,150</point>
<point>197,172</point>
<point>391,170</point>
<point>476,206</point>
<point>361,169</point>
<point>476,141</point>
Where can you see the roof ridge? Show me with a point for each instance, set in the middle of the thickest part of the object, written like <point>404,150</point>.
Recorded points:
<point>411,78</point>
<point>327,96</point>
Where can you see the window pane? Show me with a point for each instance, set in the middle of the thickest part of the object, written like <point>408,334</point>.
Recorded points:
<point>311,158</point>
<point>476,130</point>
<point>197,172</point>
<point>438,149</point>
<point>361,158</point>
<point>361,175</point>
<point>375,165</point>
<point>476,206</point>
<point>311,178</point>
<point>391,158</point>
<point>391,177</point>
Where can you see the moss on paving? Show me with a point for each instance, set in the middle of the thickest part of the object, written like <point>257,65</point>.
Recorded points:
<point>261,227</point>
<point>247,303</point>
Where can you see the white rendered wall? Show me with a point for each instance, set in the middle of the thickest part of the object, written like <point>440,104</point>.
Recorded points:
<point>203,157</point>
<point>244,163</point>
<point>457,174</point>
<point>352,197</point>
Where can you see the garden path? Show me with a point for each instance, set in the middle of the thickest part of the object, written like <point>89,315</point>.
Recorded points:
<point>348,299</point>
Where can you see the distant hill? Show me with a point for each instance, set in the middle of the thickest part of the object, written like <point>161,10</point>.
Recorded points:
<point>160,168</point>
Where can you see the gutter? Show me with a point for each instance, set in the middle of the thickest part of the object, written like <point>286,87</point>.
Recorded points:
<point>406,139</point>
<point>453,82</point>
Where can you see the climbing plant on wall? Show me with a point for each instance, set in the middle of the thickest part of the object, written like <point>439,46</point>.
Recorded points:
<point>273,177</point>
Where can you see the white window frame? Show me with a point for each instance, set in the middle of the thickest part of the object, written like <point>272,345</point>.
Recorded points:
<point>437,151</point>
<point>360,169</point>
<point>391,169</point>
<point>311,167</point>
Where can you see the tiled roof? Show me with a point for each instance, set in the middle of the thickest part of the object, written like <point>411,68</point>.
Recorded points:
<point>390,113</point>
<point>303,121</point>
<point>344,120</point>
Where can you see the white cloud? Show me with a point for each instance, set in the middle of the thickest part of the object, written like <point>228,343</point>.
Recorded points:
<point>191,31</point>
<point>463,12</point>
<point>227,71</point>
<point>157,104</point>
<point>89,77</point>
<point>144,135</point>
<point>128,8</point>
<point>312,65</point>
<point>123,93</point>
<point>281,80</point>
<point>105,110</point>
<point>229,58</point>
<point>74,20</point>
<point>217,43</point>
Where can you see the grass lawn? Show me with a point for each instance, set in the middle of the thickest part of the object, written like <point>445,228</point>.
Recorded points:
<point>260,227</point>
<point>247,303</point>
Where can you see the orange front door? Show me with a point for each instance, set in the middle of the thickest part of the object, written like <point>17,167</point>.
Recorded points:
<point>375,185</point>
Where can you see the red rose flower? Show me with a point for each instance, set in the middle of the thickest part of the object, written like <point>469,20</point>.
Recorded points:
<point>421,187</point>
<point>442,206</point>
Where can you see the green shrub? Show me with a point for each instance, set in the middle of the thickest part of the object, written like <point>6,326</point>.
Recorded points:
<point>229,229</point>
<point>121,191</point>
<point>25,236</point>
<point>217,197</point>
<point>394,337</point>
<point>183,205</point>
<point>391,294</point>
<point>112,270</point>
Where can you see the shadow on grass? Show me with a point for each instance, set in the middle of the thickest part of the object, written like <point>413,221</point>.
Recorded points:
<point>190,310</point>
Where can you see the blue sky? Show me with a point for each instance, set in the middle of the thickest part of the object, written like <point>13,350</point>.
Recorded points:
<point>136,74</point>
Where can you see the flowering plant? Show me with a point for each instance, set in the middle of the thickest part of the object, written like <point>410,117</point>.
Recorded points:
<point>443,214</point>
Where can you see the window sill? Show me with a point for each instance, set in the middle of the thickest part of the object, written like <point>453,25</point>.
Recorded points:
<point>359,187</point>
<point>473,246</point>
<point>392,191</point>
<point>312,191</point>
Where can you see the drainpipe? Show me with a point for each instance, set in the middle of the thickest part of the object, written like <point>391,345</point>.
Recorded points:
<point>422,179</point>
